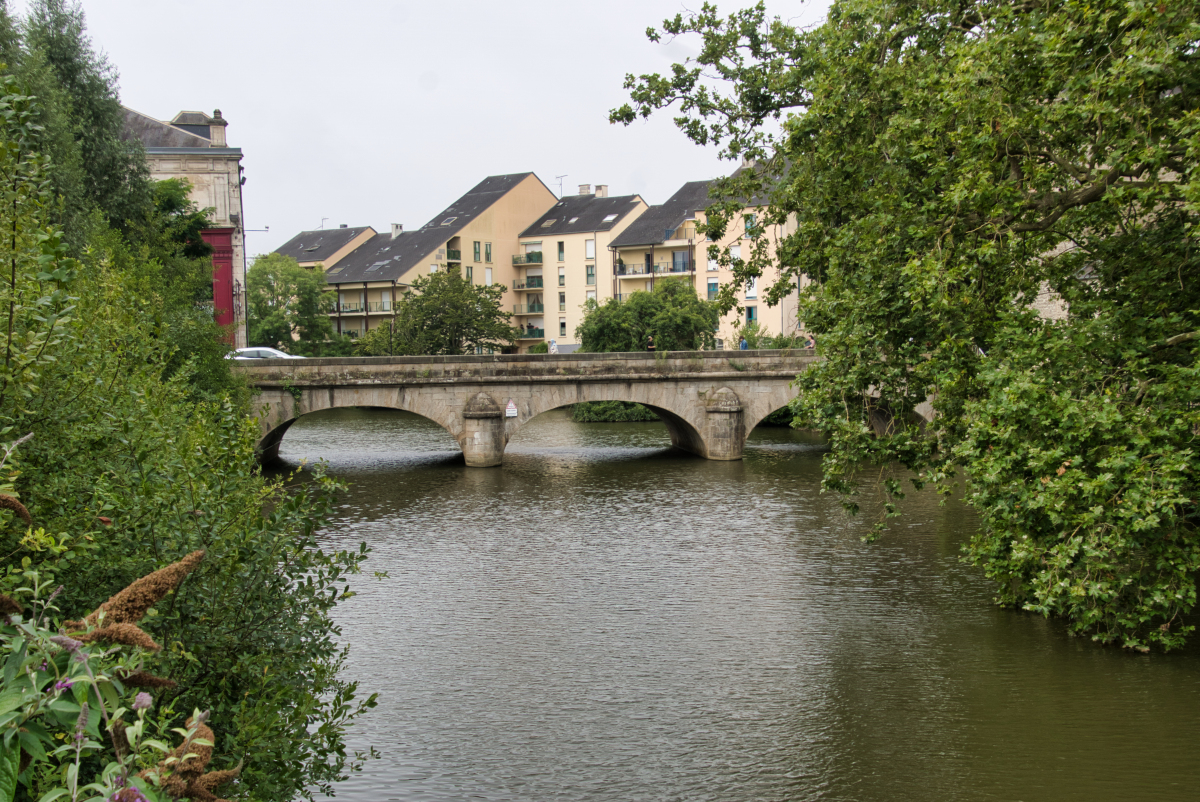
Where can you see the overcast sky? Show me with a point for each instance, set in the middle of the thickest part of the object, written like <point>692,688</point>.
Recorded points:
<point>367,112</point>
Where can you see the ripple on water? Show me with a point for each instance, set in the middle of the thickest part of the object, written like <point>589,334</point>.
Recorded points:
<point>604,618</point>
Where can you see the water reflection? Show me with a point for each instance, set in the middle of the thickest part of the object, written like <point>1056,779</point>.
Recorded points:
<point>607,619</point>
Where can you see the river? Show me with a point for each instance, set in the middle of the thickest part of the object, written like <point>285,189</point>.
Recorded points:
<point>604,618</point>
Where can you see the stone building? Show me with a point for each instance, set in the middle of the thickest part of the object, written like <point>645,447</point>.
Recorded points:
<point>193,147</point>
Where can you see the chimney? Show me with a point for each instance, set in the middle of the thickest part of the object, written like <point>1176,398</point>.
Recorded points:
<point>216,130</point>
<point>602,190</point>
<point>396,229</point>
<point>343,225</point>
<point>585,189</point>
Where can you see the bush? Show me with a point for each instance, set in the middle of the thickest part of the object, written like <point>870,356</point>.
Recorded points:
<point>610,412</point>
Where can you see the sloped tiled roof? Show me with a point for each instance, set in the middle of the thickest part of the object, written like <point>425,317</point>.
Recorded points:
<point>410,248</point>
<point>577,213</point>
<point>650,228</point>
<point>317,246</point>
<point>153,133</point>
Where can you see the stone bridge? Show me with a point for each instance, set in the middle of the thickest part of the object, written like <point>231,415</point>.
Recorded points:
<point>709,400</point>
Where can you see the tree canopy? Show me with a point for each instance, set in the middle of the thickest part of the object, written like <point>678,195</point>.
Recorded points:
<point>289,307</point>
<point>671,312</point>
<point>946,164</point>
<point>444,315</point>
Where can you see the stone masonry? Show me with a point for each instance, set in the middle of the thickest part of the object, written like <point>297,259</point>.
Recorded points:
<point>709,400</point>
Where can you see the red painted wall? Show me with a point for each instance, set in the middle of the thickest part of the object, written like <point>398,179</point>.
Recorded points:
<point>221,240</point>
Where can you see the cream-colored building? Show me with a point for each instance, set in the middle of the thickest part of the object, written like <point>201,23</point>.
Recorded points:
<point>193,147</point>
<point>563,259</point>
<point>665,243</point>
<point>477,233</point>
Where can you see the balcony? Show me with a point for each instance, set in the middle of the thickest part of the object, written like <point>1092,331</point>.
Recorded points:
<point>532,334</point>
<point>528,309</point>
<point>528,283</point>
<point>675,267</point>
<point>632,271</point>
<point>527,258</point>
<point>379,306</point>
<point>453,255</point>
<point>350,306</point>
<point>684,232</point>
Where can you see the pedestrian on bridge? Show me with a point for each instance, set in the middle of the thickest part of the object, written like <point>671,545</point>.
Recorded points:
<point>650,343</point>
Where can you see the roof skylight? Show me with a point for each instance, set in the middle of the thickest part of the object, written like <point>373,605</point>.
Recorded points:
<point>333,271</point>
<point>549,223</point>
<point>610,218</point>
<point>449,220</point>
<point>572,220</point>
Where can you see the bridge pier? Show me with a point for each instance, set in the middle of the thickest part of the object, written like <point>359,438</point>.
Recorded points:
<point>724,426</point>
<point>483,438</point>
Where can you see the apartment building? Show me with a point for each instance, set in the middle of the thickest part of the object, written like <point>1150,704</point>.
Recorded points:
<point>563,260</point>
<point>665,243</point>
<point>477,233</point>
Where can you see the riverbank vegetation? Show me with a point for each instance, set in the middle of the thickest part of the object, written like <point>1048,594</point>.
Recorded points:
<point>995,205</point>
<point>136,446</point>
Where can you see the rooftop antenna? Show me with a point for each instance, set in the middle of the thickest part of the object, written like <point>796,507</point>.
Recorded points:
<point>323,219</point>
<point>560,178</point>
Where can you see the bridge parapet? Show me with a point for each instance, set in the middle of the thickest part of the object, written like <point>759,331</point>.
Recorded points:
<point>709,400</point>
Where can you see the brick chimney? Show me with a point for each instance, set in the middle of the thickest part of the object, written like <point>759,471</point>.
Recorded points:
<point>602,190</point>
<point>585,189</point>
<point>216,130</point>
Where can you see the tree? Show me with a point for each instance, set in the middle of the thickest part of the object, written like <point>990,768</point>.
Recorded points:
<point>289,306</point>
<point>672,313</point>
<point>945,164</point>
<point>442,314</point>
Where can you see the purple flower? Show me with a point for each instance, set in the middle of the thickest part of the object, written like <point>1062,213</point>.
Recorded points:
<point>63,684</point>
<point>142,701</point>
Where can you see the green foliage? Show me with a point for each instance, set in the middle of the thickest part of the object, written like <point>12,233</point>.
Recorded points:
<point>610,412</point>
<point>442,314</point>
<point>289,308</point>
<point>946,164</point>
<point>128,469</point>
<point>540,348</point>
<point>671,313</point>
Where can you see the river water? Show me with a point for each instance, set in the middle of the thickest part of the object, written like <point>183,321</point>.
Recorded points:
<point>604,618</point>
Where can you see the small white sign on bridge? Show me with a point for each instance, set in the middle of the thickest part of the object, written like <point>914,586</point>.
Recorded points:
<point>511,410</point>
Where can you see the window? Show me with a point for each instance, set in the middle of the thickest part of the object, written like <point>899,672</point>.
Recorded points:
<point>449,220</point>
<point>610,218</point>
<point>713,265</point>
<point>572,220</point>
<point>748,222</point>
<point>562,302</point>
<point>751,314</point>
<point>591,275</point>
<point>679,261</point>
<point>476,251</point>
<point>548,223</point>
<point>562,277</point>
<point>487,254</point>
<point>433,269</point>
<point>735,252</point>
<point>562,327</point>
<point>589,249</point>
<point>562,251</point>
<point>591,294</point>
<point>713,288</point>
<point>487,276</point>
<point>471,273</point>
<point>751,288</point>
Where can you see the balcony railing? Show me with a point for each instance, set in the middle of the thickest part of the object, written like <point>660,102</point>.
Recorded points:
<point>528,283</point>
<point>675,267</point>
<point>534,258</point>
<point>532,334</point>
<point>453,255</point>
<point>682,232</point>
<point>528,309</point>
<point>379,306</point>
<point>634,270</point>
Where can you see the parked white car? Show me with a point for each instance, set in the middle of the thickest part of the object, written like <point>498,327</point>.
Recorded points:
<point>260,353</point>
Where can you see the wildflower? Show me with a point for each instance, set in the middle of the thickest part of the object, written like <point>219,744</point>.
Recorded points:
<point>81,725</point>
<point>63,684</point>
<point>128,606</point>
<point>125,634</point>
<point>70,644</point>
<point>142,701</point>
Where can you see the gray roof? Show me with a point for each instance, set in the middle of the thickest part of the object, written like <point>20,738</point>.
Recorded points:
<point>410,248</point>
<point>153,133</point>
<point>317,246</point>
<point>651,227</point>
<point>577,213</point>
